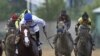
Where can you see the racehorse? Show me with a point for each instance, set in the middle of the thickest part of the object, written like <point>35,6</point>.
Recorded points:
<point>63,45</point>
<point>9,42</point>
<point>84,45</point>
<point>26,45</point>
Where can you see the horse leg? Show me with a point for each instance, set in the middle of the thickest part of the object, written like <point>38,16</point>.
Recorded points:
<point>90,53</point>
<point>7,54</point>
<point>35,48</point>
<point>56,53</point>
<point>40,52</point>
<point>1,51</point>
<point>80,54</point>
<point>36,52</point>
<point>75,52</point>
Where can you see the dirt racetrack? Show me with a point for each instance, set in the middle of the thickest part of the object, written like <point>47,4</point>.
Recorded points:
<point>47,51</point>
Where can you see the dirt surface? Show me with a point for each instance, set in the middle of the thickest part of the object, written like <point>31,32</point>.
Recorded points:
<point>47,51</point>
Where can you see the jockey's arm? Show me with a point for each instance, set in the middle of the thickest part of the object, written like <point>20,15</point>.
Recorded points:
<point>41,22</point>
<point>38,20</point>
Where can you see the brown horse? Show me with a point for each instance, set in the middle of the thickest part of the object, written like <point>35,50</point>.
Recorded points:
<point>9,42</point>
<point>27,45</point>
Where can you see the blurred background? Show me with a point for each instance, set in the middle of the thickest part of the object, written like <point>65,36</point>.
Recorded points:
<point>49,10</point>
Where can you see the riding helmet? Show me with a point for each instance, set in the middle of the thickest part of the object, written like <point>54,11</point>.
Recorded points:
<point>28,17</point>
<point>85,16</point>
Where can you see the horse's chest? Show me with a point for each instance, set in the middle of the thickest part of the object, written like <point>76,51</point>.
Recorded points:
<point>62,43</point>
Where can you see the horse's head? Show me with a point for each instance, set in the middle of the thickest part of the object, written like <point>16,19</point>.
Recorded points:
<point>11,30</point>
<point>25,35</point>
<point>84,33</point>
<point>61,28</point>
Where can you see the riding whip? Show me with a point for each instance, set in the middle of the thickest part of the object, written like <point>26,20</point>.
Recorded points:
<point>48,40</point>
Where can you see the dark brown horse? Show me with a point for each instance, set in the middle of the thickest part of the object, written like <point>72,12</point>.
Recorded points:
<point>9,42</point>
<point>27,46</point>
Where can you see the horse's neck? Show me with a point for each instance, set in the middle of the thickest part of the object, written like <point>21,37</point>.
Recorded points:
<point>85,36</point>
<point>63,41</point>
<point>84,33</point>
<point>63,37</point>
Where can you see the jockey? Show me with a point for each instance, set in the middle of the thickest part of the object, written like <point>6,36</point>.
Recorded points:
<point>11,22</point>
<point>67,21</point>
<point>32,22</point>
<point>65,18</point>
<point>61,28</point>
<point>83,20</point>
<point>20,17</point>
